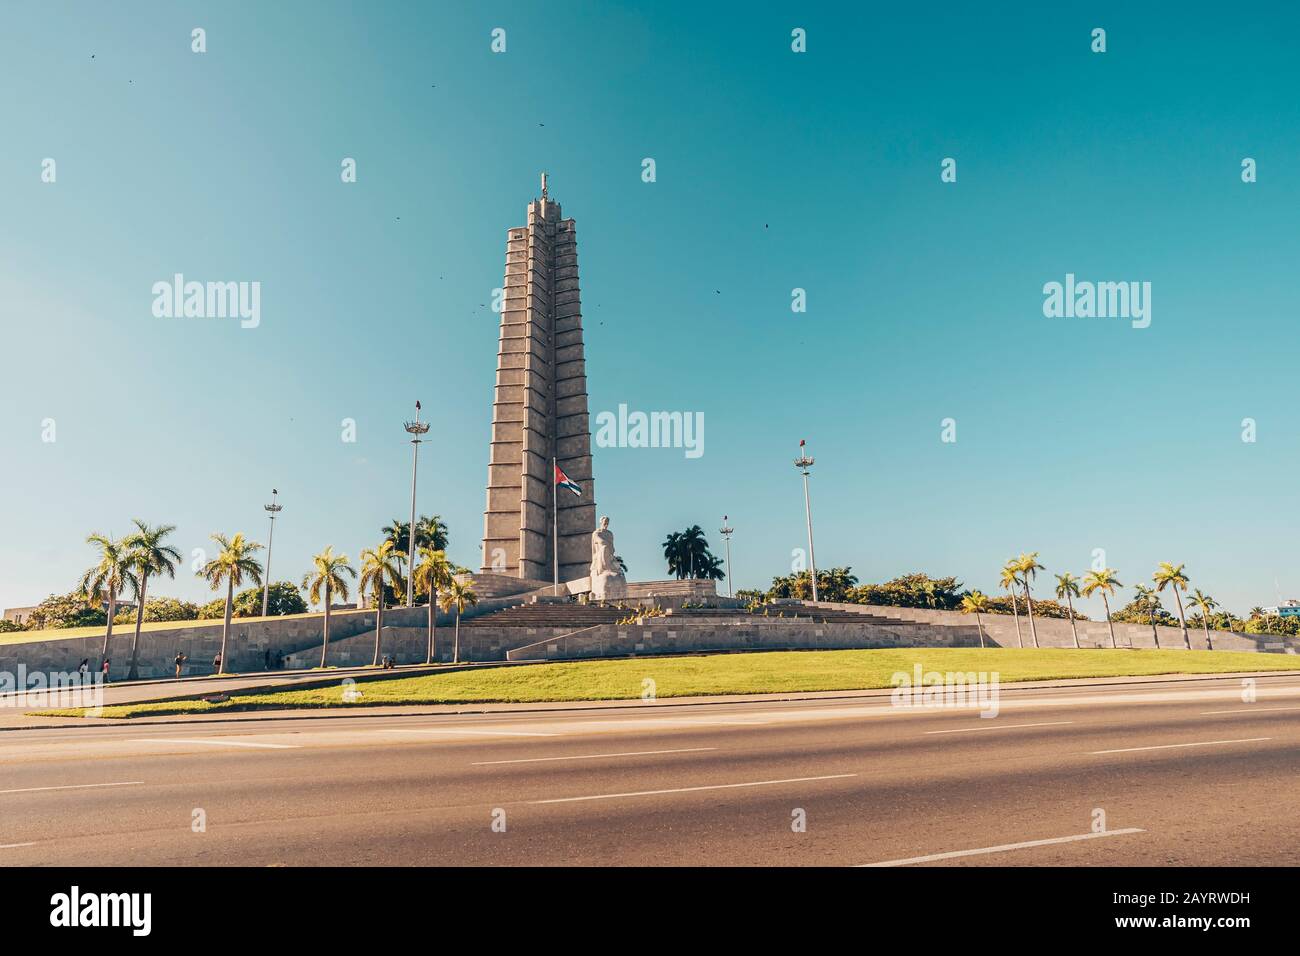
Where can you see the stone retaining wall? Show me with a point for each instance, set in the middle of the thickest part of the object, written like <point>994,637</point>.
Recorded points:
<point>657,637</point>
<point>1000,630</point>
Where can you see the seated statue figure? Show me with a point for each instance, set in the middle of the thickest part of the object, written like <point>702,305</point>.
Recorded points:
<point>607,580</point>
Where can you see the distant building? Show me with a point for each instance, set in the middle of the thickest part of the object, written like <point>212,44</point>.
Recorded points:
<point>1289,608</point>
<point>19,615</point>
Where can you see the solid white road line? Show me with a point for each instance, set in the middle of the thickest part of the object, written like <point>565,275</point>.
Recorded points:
<point>716,786</point>
<point>454,730</point>
<point>1246,710</point>
<point>215,742</point>
<point>630,753</point>
<point>967,730</point>
<point>74,786</point>
<point>14,846</point>
<point>1004,847</point>
<point>1199,743</point>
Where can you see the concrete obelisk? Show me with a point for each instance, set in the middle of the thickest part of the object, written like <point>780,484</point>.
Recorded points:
<point>540,408</point>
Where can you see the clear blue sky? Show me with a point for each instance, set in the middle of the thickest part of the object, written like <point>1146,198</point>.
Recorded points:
<point>775,171</point>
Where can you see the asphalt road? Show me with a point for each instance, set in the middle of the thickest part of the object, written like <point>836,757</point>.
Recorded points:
<point>1186,774</point>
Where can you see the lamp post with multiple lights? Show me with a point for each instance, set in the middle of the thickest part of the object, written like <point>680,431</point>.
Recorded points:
<point>416,429</point>
<point>272,509</point>
<point>804,462</point>
<point>726,531</point>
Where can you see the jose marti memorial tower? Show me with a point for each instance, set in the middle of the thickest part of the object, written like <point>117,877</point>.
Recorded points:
<point>539,411</point>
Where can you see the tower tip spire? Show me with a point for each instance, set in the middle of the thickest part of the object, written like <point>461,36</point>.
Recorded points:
<point>543,185</point>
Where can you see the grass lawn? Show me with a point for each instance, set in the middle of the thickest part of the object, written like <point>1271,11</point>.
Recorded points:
<point>753,673</point>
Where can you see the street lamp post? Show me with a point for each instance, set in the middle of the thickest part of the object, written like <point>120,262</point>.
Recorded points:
<point>726,531</point>
<point>416,429</point>
<point>804,462</point>
<point>272,509</point>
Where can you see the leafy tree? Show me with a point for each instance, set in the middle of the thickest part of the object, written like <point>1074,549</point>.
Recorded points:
<point>165,609</point>
<point>835,584</point>
<point>459,596</point>
<point>1168,574</point>
<point>7,626</point>
<point>104,582</point>
<point>1105,582</point>
<point>149,557</point>
<point>1274,624</point>
<point>232,564</point>
<point>324,581</point>
<point>282,597</point>
<point>212,610</point>
<point>908,590</point>
<point>380,566</point>
<point>60,611</point>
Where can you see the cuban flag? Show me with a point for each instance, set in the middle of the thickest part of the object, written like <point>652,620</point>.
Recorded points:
<point>564,481</point>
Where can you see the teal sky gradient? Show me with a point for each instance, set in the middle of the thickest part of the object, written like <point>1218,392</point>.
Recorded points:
<point>775,171</point>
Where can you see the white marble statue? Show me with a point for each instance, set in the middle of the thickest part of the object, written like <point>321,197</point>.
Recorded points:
<point>607,580</point>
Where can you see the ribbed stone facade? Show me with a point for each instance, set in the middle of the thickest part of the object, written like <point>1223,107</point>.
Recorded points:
<point>540,406</point>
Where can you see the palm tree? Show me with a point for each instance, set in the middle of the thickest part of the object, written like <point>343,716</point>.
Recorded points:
<point>1146,599</point>
<point>1105,582</point>
<point>1028,566</point>
<point>232,564</point>
<point>1174,576</point>
<point>398,532</point>
<point>326,575</point>
<point>1009,580</point>
<point>106,579</point>
<point>1256,612</point>
<point>376,565</point>
<point>1067,586</point>
<point>1206,604</point>
<point>459,596</point>
<point>977,604</point>
<point>432,574</point>
<point>148,557</point>
<point>431,533</point>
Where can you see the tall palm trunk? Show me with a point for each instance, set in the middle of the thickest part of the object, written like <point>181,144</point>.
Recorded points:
<point>225,624</point>
<point>433,623</point>
<point>980,626</point>
<point>133,672</point>
<point>325,638</point>
<point>1109,623</point>
<point>1016,614</point>
<point>379,621</point>
<point>1029,605</point>
<point>455,654</point>
<point>1205,623</point>
<point>1187,638</point>
<point>1155,635</point>
<point>1073,627</point>
<point>108,631</point>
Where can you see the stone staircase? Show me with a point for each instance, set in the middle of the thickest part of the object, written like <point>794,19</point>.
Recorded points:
<point>550,614</point>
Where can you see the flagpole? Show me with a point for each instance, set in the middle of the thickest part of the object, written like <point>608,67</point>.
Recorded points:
<point>555,524</point>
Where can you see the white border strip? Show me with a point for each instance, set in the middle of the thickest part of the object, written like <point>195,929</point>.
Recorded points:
<point>1003,848</point>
